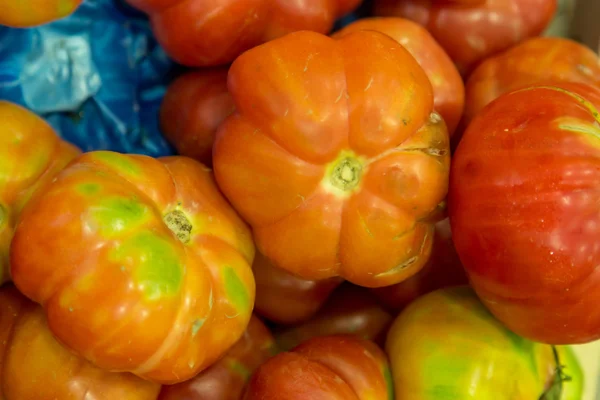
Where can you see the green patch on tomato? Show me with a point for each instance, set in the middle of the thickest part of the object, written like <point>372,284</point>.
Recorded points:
<point>114,215</point>
<point>120,162</point>
<point>389,382</point>
<point>88,189</point>
<point>239,369</point>
<point>236,290</point>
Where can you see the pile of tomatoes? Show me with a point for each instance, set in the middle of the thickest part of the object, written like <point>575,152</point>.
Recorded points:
<point>405,208</point>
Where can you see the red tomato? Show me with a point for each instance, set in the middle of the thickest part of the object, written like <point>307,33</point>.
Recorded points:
<point>443,269</point>
<point>226,379</point>
<point>325,368</point>
<point>284,298</point>
<point>29,13</point>
<point>140,264</point>
<point>448,87</point>
<point>535,60</point>
<point>350,310</point>
<point>214,32</point>
<point>524,210</point>
<point>194,106</point>
<point>335,156</point>
<point>31,154</point>
<point>471,34</point>
<point>34,365</point>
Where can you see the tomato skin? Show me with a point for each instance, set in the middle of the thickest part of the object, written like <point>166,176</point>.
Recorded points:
<point>157,280</point>
<point>350,310</point>
<point>34,365</point>
<point>31,154</point>
<point>226,379</point>
<point>489,28</point>
<point>207,33</point>
<point>533,61</point>
<point>324,368</point>
<point>333,179</point>
<point>26,14</point>
<point>286,299</point>
<point>448,87</point>
<point>447,345</point>
<point>192,109</point>
<point>523,212</point>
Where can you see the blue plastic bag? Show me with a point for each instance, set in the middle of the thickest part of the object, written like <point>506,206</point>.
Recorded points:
<point>97,76</point>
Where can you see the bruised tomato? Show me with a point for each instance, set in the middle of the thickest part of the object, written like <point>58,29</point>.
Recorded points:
<point>471,33</point>
<point>34,365</point>
<point>523,209</point>
<point>226,379</point>
<point>337,367</point>
<point>140,264</point>
<point>194,106</point>
<point>31,154</point>
<point>30,13</point>
<point>214,32</point>
<point>448,87</point>
<point>335,156</point>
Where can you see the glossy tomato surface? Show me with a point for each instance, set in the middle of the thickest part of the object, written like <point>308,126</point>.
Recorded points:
<point>448,87</point>
<point>226,379</point>
<point>214,32</point>
<point>337,367</point>
<point>286,299</point>
<point>30,13</point>
<point>140,264</point>
<point>34,365</point>
<point>524,212</point>
<point>535,60</point>
<point>31,154</point>
<point>335,156</point>
<point>469,34</point>
<point>446,345</point>
<point>195,104</point>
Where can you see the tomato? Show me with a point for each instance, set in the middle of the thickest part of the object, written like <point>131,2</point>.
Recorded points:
<point>524,212</point>
<point>533,61</point>
<point>30,13</point>
<point>31,154</point>
<point>335,156</point>
<point>206,33</point>
<point>226,379</point>
<point>471,34</point>
<point>192,109</point>
<point>284,298</point>
<point>34,365</point>
<point>446,345</point>
<point>350,310</point>
<point>335,367</point>
<point>140,264</point>
<point>443,269</point>
<point>448,87</point>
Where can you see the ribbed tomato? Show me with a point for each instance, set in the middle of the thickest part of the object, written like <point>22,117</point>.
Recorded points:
<point>30,13</point>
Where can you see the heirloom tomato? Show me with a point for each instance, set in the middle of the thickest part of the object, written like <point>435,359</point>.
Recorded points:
<point>29,13</point>
<point>31,154</point>
<point>535,60</point>
<point>284,298</point>
<point>35,366</point>
<point>446,345</point>
<point>448,87</point>
<point>206,33</point>
<point>140,264</point>
<point>443,269</point>
<point>226,379</point>
<point>524,211</point>
<point>335,156</point>
<point>335,367</point>
<point>350,310</point>
<point>469,34</point>
<point>194,106</point>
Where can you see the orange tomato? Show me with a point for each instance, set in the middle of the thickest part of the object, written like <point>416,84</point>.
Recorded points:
<point>31,154</point>
<point>448,87</point>
<point>30,13</point>
<point>34,365</point>
<point>140,264</point>
<point>335,156</point>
